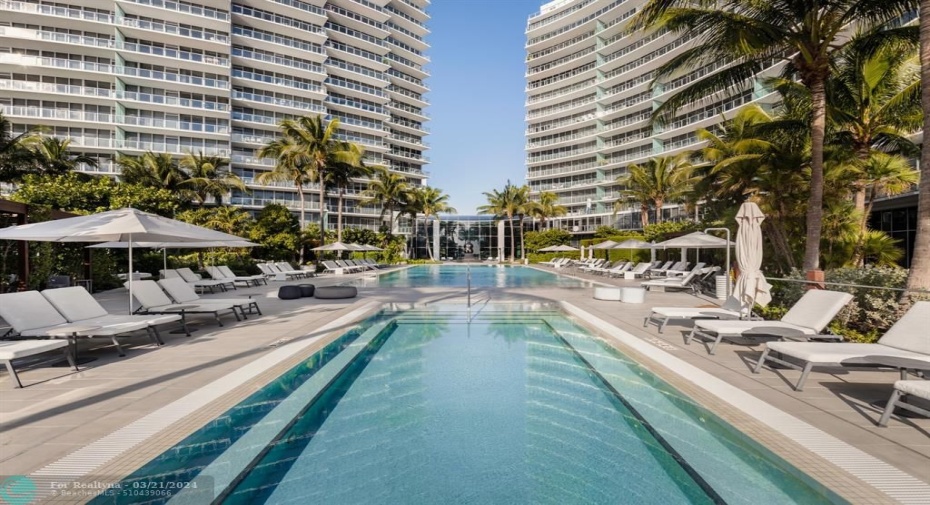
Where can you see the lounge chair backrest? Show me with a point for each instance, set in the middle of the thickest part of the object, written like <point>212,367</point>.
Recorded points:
<point>169,273</point>
<point>149,294</point>
<point>27,310</point>
<point>266,269</point>
<point>180,291</point>
<point>910,332</point>
<point>642,267</point>
<point>816,308</point>
<point>188,275</point>
<point>287,265</point>
<point>74,303</point>
<point>665,266</point>
<point>226,271</point>
<point>331,265</point>
<point>215,273</point>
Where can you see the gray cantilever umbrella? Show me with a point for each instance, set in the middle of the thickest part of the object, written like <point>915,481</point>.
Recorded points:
<point>121,225</point>
<point>558,248</point>
<point>633,244</point>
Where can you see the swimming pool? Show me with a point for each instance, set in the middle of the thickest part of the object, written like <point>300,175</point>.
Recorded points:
<point>497,404</point>
<point>482,276</point>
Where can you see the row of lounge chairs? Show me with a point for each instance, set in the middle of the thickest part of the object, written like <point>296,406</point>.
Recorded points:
<point>804,344</point>
<point>283,271</point>
<point>350,266</point>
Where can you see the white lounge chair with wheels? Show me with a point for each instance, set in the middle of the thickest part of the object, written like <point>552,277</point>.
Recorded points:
<point>10,350</point>
<point>31,315</point>
<point>903,389</point>
<point>662,315</point>
<point>805,320</point>
<point>79,306</point>
<point>907,338</point>
<point>154,301</point>
<point>685,282</point>
<point>181,292</point>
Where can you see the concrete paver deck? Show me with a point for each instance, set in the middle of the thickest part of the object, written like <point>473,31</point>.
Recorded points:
<point>61,410</point>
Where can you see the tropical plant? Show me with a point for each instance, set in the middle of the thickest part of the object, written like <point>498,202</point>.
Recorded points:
<point>507,203</point>
<point>72,193</point>
<point>277,230</point>
<point>341,175</point>
<point>431,202</point>
<point>209,176</point>
<point>661,180</point>
<point>154,170</point>
<point>807,34</point>
<point>545,207</point>
<point>15,153</point>
<point>55,157</point>
<point>389,191</point>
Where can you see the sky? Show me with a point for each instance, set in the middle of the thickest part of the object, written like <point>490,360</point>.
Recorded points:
<point>477,66</point>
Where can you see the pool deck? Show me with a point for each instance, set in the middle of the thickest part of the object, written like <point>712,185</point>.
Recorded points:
<point>61,411</point>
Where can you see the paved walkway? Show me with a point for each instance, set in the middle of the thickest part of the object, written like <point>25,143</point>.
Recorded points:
<point>61,410</point>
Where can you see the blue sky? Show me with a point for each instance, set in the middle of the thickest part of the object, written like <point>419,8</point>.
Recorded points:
<point>476,97</point>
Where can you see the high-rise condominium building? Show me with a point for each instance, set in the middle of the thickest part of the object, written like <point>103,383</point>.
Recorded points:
<point>121,77</point>
<point>590,96</point>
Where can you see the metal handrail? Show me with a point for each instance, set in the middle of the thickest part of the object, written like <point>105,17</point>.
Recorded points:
<point>805,281</point>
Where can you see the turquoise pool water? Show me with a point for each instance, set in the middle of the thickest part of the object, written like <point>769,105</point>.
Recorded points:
<point>502,404</point>
<point>482,276</point>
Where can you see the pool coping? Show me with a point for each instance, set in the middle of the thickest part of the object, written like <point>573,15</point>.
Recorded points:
<point>131,446</point>
<point>850,472</point>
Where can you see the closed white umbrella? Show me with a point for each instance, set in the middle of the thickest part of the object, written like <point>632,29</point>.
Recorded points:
<point>751,286</point>
<point>121,225</point>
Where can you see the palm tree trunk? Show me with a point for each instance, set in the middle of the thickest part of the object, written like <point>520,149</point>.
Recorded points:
<point>522,244</point>
<point>919,275</point>
<point>303,220</point>
<point>659,202</point>
<point>429,250</point>
<point>644,215</point>
<point>322,215</point>
<point>513,249</point>
<point>339,216</point>
<point>815,201</point>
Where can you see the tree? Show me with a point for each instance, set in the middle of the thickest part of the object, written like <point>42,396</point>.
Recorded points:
<point>54,156</point>
<point>388,191</point>
<point>154,170</point>
<point>919,275</point>
<point>505,204</point>
<point>72,193</point>
<point>753,35</point>
<point>16,157</point>
<point>209,176</point>
<point>661,180</point>
<point>431,202</point>
<point>289,167</point>
<point>277,230</point>
<point>547,206</point>
<point>341,175</point>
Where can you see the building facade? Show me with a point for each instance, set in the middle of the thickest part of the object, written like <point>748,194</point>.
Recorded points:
<point>590,96</point>
<point>121,77</point>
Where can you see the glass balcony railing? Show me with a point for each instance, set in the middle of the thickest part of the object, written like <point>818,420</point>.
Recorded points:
<point>64,114</point>
<point>252,160</point>
<point>174,124</point>
<point>171,147</point>
<point>47,87</point>
<point>39,61</point>
<point>186,8</point>
<point>251,139</point>
<point>255,118</point>
<point>277,80</point>
<point>171,100</point>
<point>172,77</point>
<point>254,97</point>
<point>57,11</point>
<point>277,59</point>
<point>174,53</point>
<point>181,31</point>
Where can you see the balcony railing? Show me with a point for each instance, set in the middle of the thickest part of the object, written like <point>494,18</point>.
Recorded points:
<point>254,97</point>
<point>174,124</point>
<point>57,11</point>
<point>47,87</point>
<point>182,31</point>
<point>64,114</point>
<point>171,100</point>
<point>186,8</point>
<point>174,53</point>
<point>172,77</point>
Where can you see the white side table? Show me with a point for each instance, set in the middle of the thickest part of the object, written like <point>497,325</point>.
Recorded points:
<point>633,295</point>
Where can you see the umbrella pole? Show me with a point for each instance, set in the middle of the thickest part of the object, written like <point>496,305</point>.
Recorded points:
<point>164,257</point>
<point>130,273</point>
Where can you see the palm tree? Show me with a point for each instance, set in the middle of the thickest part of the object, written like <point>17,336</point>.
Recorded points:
<point>288,168</point>
<point>15,152</point>
<point>55,157</point>
<point>918,276</point>
<point>309,148</point>
<point>661,180</point>
<point>504,204</point>
<point>232,220</point>
<point>432,201</point>
<point>547,206</point>
<point>522,200</point>
<point>209,176</point>
<point>341,175</point>
<point>807,34</point>
<point>388,191</point>
<point>153,171</point>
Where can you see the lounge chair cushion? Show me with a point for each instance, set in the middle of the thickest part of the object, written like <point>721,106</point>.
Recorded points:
<point>918,388</point>
<point>75,303</point>
<point>816,308</point>
<point>826,352</point>
<point>29,310</point>
<point>747,328</point>
<point>910,332</point>
<point>21,348</point>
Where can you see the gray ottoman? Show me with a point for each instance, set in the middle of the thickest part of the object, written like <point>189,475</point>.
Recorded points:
<point>289,292</point>
<point>334,292</point>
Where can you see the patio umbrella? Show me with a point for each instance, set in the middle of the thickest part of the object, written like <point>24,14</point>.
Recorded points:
<point>696,240</point>
<point>751,286</point>
<point>335,246</point>
<point>632,244</point>
<point>558,248</point>
<point>121,225</point>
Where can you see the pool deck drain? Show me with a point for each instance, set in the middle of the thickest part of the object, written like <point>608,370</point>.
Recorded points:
<point>61,412</point>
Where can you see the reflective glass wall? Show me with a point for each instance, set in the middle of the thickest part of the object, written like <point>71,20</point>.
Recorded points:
<point>462,238</point>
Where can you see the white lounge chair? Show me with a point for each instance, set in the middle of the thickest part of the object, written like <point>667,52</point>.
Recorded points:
<point>79,306</point>
<point>197,281</point>
<point>217,273</point>
<point>903,389</point>
<point>676,283</point>
<point>806,319</point>
<point>907,338</point>
<point>181,292</point>
<point>10,350</point>
<point>154,301</point>
<point>662,315</point>
<point>31,315</point>
<point>639,270</point>
<point>286,267</point>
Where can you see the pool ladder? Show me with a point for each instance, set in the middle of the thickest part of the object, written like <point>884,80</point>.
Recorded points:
<point>468,283</point>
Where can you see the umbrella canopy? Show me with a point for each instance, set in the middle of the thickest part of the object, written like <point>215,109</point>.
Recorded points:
<point>121,225</point>
<point>356,247</point>
<point>335,246</point>
<point>751,286</point>
<point>696,240</point>
<point>632,244</point>
<point>558,248</point>
<point>607,244</point>
<point>371,247</point>
<point>164,246</point>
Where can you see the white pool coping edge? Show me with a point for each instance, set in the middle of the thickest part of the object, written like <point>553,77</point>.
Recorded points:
<point>895,483</point>
<point>82,462</point>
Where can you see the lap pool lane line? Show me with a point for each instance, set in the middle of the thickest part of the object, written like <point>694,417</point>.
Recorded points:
<point>643,423</point>
<point>83,462</point>
<point>881,476</point>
